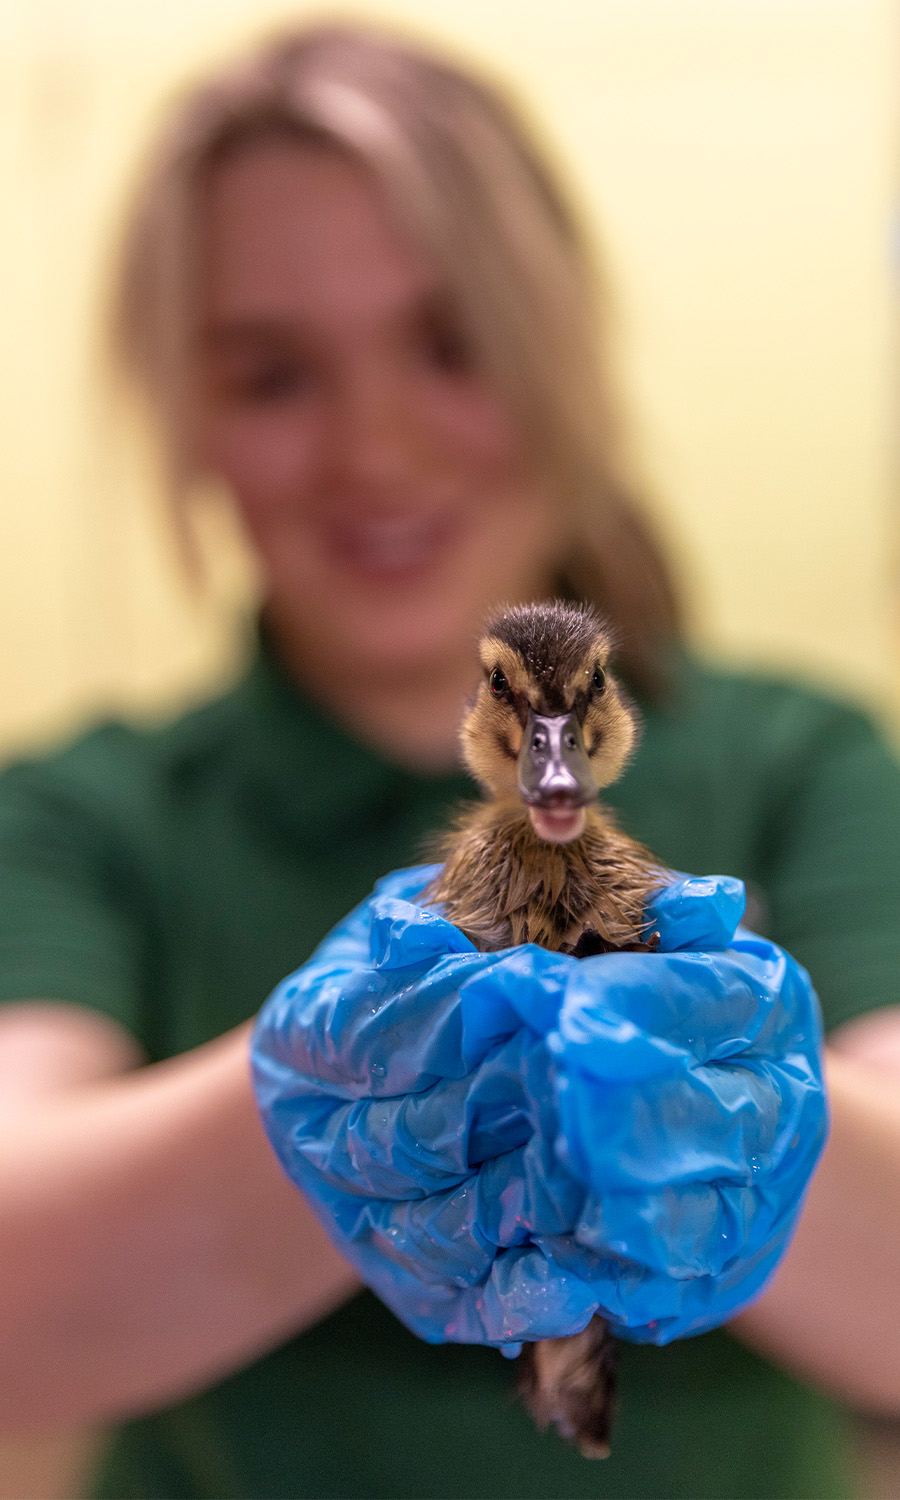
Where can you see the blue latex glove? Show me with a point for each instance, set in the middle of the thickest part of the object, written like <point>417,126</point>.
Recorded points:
<point>504,1144</point>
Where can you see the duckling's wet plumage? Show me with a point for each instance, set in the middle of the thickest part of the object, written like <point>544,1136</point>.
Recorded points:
<point>503,885</point>
<point>510,876</point>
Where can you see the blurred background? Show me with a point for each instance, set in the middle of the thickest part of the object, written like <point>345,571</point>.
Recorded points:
<point>737,161</point>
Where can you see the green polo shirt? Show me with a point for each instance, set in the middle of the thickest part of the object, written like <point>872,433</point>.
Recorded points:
<point>170,877</point>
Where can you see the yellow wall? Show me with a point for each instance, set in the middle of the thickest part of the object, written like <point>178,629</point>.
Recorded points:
<point>737,157</point>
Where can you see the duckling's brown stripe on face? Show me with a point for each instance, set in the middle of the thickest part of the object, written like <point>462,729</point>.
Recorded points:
<point>549,683</point>
<point>494,653</point>
<point>505,743</point>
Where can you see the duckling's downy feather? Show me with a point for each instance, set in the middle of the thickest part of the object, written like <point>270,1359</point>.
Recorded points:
<point>503,885</point>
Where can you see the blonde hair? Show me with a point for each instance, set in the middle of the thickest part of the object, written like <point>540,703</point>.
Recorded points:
<point>465,179</point>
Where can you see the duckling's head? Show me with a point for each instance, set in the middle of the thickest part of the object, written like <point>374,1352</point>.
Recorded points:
<point>549,723</point>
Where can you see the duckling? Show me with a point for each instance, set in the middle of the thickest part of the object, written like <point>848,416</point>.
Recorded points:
<point>541,861</point>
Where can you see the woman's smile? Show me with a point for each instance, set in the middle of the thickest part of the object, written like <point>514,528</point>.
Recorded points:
<point>390,547</point>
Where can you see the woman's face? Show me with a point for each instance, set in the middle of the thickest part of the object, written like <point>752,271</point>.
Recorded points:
<point>383,484</point>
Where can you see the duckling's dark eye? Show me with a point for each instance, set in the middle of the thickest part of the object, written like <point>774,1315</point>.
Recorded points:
<point>598,681</point>
<point>498,683</point>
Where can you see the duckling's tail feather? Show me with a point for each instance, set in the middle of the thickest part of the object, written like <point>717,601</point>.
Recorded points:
<point>571,1384</point>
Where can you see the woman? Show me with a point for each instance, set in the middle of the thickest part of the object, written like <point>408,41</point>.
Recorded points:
<point>353,293</point>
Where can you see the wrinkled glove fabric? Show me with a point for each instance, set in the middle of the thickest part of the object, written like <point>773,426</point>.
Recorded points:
<point>504,1144</point>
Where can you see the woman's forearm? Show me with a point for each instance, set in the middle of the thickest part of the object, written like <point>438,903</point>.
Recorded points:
<point>148,1242</point>
<point>832,1312</point>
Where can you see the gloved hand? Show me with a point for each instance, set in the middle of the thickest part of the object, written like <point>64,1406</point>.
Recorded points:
<point>504,1144</point>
